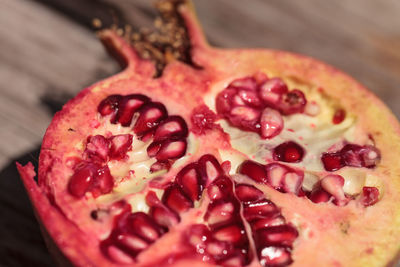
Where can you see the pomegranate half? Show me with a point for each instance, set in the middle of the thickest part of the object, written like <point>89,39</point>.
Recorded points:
<point>203,156</point>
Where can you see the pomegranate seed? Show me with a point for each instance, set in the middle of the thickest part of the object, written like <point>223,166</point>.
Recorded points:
<point>117,255</point>
<point>171,149</point>
<point>176,200</point>
<point>370,156</point>
<point>250,98</point>
<point>144,226</point>
<point>370,195</point>
<point>220,213</point>
<point>164,217</point>
<point>332,161</point>
<point>333,184</point>
<point>120,145</point>
<point>237,260</point>
<point>275,174</point>
<point>351,155</point>
<point>271,123</point>
<point>244,117</point>
<point>190,182</point>
<point>248,193</point>
<point>338,116</point>
<point>110,106</point>
<point>218,249</point>
<point>292,182</point>
<point>197,235</point>
<point>267,222</point>
<point>288,152</point>
<point>293,102</point>
<point>81,180</point>
<point>209,168</point>
<point>259,209</point>
<point>160,213</point>
<point>319,195</point>
<point>271,91</point>
<point>173,126</point>
<point>203,119</point>
<point>281,235</point>
<point>160,165</point>
<point>224,101</point>
<point>151,114</point>
<point>132,242</point>
<point>233,234</point>
<point>274,256</point>
<point>153,148</point>
<point>90,177</point>
<point>220,188</point>
<point>253,170</point>
<point>97,148</point>
<point>128,105</point>
<point>247,83</point>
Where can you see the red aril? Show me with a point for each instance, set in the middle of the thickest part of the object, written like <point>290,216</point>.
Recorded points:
<point>183,160</point>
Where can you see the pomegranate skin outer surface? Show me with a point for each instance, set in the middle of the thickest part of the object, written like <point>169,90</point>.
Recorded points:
<point>341,210</point>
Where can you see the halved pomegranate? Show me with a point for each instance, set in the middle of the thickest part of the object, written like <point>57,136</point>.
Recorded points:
<point>209,157</point>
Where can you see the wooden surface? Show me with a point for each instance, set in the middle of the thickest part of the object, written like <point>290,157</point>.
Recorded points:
<point>48,52</point>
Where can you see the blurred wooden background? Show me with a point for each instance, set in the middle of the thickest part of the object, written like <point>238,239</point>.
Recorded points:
<point>48,52</point>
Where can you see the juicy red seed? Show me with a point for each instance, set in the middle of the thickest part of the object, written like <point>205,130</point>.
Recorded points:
<point>274,256</point>
<point>209,168</point>
<point>339,116</point>
<point>151,114</point>
<point>271,123</point>
<point>203,119</point>
<point>272,90</point>
<point>109,105</point>
<point>220,188</point>
<point>142,225</point>
<point>160,165</point>
<point>247,83</point>
<point>293,102</point>
<point>332,161</point>
<point>190,182</point>
<point>176,200</point>
<point>245,118</point>
<point>319,196</point>
<point>253,170</point>
<point>351,155</point>
<point>153,149</point>
<point>224,101</point>
<point>173,126</point>
<point>219,213</point>
<point>120,145</point>
<point>90,177</point>
<point>370,156</point>
<point>281,235</point>
<point>171,149</point>
<point>267,222</point>
<point>80,181</point>
<point>233,234</point>
<point>103,182</point>
<point>288,152</point>
<point>247,193</point>
<point>259,210</point>
<point>97,148</point>
<point>250,97</point>
<point>164,217</point>
<point>128,106</point>
<point>370,195</point>
<point>197,235</point>
<point>360,156</point>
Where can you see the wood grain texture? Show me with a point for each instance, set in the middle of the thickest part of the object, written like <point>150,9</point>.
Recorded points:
<point>49,52</point>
